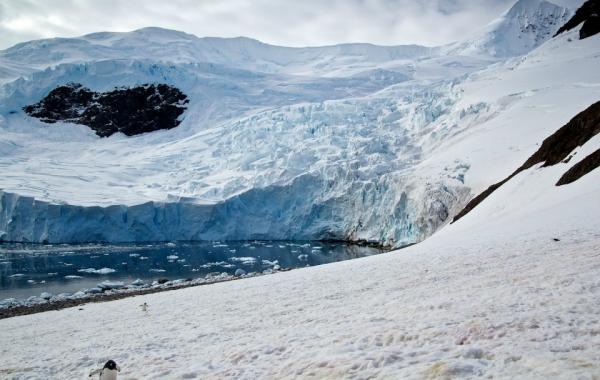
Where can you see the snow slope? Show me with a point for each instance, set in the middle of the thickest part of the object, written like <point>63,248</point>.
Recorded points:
<point>492,295</point>
<point>344,142</point>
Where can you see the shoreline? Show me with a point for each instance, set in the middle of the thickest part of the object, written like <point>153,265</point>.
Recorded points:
<point>117,294</point>
<point>16,307</point>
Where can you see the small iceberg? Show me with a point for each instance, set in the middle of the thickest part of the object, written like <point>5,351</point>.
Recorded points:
<point>106,285</point>
<point>97,271</point>
<point>244,260</point>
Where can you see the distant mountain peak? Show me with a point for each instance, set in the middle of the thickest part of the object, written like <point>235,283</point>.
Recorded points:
<point>528,6</point>
<point>522,28</point>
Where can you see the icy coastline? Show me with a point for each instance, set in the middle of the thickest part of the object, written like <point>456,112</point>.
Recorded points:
<point>112,290</point>
<point>275,213</point>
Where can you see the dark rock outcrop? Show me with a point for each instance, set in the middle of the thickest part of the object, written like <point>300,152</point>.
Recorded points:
<point>580,169</point>
<point>589,15</point>
<point>132,111</point>
<point>554,149</point>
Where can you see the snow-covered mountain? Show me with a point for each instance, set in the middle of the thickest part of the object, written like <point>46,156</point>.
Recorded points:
<point>357,142</point>
<point>519,30</point>
<point>163,45</point>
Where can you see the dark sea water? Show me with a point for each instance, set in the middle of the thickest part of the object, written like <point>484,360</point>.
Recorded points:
<point>29,270</point>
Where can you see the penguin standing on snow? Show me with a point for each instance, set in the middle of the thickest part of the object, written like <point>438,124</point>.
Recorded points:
<point>109,372</point>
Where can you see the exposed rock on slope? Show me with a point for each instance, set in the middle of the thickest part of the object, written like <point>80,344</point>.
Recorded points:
<point>555,149</point>
<point>589,15</point>
<point>580,169</point>
<point>131,111</point>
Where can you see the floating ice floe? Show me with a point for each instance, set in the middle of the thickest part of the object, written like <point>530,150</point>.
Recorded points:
<point>93,290</point>
<point>156,270</point>
<point>72,277</point>
<point>106,285</point>
<point>8,302</point>
<point>222,264</point>
<point>97,271</point>
<point>17,275</point>
<point>172,257</point>
<point>244,260</point>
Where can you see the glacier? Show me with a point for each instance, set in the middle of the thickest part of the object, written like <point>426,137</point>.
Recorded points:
<point>351,142</point>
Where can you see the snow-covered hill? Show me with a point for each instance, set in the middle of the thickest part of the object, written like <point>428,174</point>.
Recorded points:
<point>341,142</point>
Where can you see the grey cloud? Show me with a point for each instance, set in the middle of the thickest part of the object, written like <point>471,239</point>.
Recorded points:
<point>282,22</point>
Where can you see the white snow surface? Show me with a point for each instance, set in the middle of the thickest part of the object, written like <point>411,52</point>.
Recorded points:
<point>493,295</point>
<point>347,142</point>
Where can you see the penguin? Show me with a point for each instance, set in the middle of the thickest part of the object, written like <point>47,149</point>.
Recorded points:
<point>144,307</point>
<point>109,372</point>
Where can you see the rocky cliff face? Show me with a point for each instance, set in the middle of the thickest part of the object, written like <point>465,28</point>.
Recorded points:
<point>130,111</point>
<point>589,15</point>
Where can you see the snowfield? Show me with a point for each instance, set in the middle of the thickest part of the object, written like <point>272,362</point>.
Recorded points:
<point>493,295</point>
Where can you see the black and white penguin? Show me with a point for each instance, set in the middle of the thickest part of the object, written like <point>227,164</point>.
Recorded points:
<point>109,372</point>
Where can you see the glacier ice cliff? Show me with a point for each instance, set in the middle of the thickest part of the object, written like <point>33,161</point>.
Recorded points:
<point>309,208</point>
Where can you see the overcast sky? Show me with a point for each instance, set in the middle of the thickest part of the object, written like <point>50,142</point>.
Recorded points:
<point>281,22</point>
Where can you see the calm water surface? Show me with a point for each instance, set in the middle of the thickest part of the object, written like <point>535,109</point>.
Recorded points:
<point>28,270</point>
